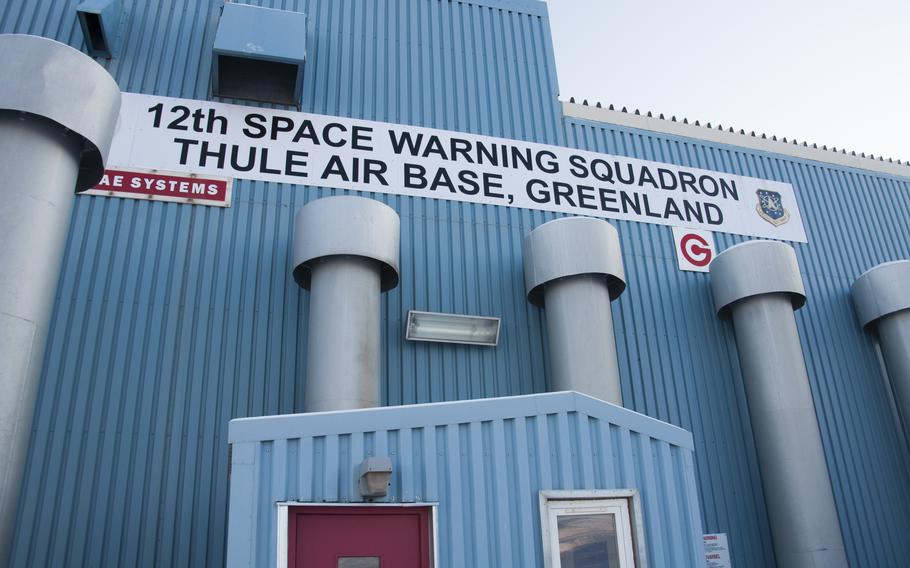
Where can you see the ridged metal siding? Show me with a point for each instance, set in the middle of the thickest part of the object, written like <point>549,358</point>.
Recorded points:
<point>683,364</point>
<point>171,320</point>
<point>483,462</point>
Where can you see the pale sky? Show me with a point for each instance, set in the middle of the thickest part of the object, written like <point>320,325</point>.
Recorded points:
<point>823,71</point>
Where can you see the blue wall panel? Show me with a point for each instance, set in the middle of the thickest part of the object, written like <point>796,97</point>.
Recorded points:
<point>172,319</point>
<point>683,365</point>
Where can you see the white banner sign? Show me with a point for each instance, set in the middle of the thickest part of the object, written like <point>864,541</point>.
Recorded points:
<point>208,138</point>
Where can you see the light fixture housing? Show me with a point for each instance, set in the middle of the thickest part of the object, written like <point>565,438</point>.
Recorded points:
<point>375,473</point>
<point>452,328</point>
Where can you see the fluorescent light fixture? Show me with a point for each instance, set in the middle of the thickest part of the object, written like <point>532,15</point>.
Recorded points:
<point>452,328</point>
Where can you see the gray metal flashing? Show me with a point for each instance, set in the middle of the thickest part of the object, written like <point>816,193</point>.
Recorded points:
<point>663,126</point>
<point>285,426</point>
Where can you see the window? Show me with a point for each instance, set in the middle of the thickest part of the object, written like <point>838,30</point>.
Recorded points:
<point>587,529</point>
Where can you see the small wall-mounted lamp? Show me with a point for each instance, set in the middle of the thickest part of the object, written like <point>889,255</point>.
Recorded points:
<point>452,328</point>
<point>375,473</point>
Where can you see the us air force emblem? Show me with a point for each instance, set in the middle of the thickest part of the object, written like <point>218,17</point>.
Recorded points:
<point>771,208</point>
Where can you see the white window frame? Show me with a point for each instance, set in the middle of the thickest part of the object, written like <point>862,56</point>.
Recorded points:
<point>625,504</point>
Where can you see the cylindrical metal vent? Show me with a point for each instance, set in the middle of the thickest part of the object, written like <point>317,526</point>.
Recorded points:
<point>759,284</point>
<point>573,267</point>
<point>58,109</point>
<point>345,254</point>
<point>882,299</point>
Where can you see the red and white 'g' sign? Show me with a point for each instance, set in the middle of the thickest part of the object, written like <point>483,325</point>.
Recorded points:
<point>694,249</point>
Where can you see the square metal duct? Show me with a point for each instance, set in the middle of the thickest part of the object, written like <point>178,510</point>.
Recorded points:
<point>100,22</point>
<point>259,54</point>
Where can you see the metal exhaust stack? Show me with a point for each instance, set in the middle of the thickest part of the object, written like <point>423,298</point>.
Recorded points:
<point>58,109</point>
<point>882,299</point>
<point>573,267</point>
<point>759,282</point>
<point>345,254</point>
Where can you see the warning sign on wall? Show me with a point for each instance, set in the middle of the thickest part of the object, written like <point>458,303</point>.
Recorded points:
<point>717,551</point>
<point>694,249</point>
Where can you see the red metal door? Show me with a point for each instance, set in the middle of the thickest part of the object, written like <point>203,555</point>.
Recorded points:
<point>359,537</point>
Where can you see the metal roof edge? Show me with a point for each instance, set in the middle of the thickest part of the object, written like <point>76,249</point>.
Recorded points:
<point>634,420</point>
<point>285,426</point>
<point>532,7</point>
<point>653,124</point>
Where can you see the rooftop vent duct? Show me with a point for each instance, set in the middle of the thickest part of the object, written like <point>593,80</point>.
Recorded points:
<point>259,54</point>
<point>58,109</point>
<point>345,254</point>
<point>882,299</point>
<point>758,282</point>
<point>573,267</point>
<point>100,21</point>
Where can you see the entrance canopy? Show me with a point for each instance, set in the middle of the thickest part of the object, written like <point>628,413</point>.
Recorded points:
<point>484,466</point>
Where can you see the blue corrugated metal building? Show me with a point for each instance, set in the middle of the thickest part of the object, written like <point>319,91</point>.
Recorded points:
<point>171,320</point>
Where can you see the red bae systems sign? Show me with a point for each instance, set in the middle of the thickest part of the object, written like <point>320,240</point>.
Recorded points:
<point>158,185</point>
